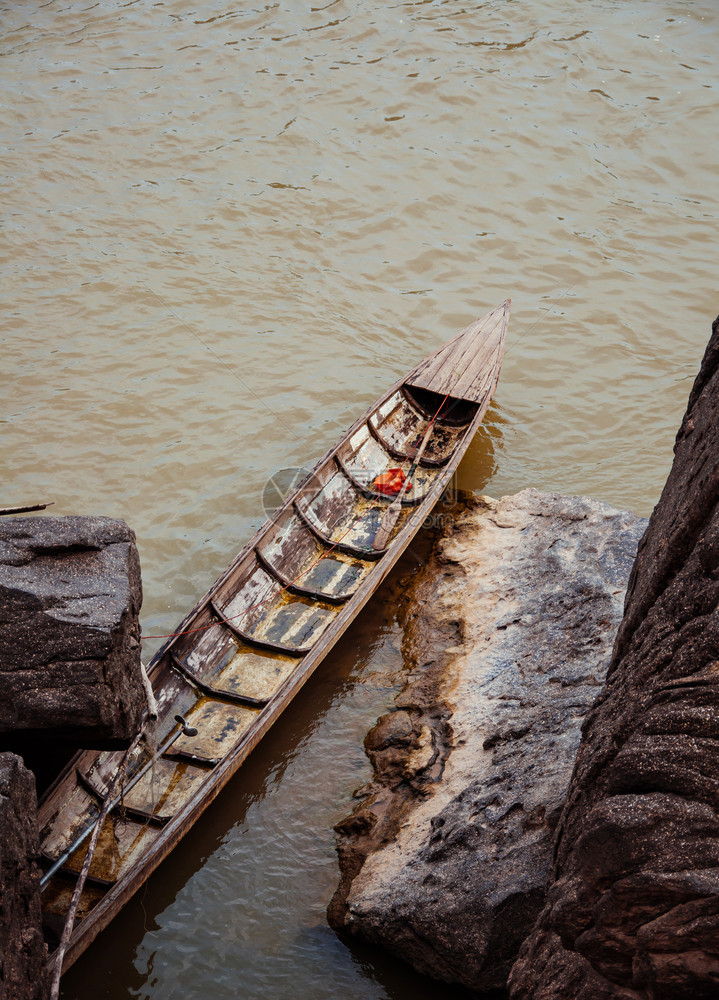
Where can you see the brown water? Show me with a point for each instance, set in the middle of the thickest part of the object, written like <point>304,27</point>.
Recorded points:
<point>226,229</point>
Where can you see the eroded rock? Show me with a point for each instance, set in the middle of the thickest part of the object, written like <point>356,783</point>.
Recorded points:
<point>70,595</point>
<point>634,908</point>
<point>22,949</point>
<point>447,859</point>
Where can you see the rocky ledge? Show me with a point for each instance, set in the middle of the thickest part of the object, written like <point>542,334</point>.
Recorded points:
<point>447,858</point>
<point>70,596</point>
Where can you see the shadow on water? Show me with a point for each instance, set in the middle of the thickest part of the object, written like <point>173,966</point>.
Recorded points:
<point>262,854</point>
<point>398,979</point>
<point>479,465</point>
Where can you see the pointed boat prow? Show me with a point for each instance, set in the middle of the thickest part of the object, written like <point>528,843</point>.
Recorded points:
<point>467,367</point>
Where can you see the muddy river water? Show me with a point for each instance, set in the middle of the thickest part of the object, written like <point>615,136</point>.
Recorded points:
<point>226,228</point>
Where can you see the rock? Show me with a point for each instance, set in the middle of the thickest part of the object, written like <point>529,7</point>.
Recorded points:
<point>447,859</point>
<point>634,907</point>
<point>22,949</point>
<point>70,595</point>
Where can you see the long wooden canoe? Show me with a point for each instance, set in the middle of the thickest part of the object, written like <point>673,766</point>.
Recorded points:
<point>243,652</point>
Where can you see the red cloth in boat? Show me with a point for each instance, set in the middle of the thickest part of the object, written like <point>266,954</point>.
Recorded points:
<point>391,482</point>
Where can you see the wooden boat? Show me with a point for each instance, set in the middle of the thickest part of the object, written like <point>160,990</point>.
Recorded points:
<point>240,656</point>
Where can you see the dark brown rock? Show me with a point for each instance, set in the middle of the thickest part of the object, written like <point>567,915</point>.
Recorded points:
<point>70,595</point>
<point>509,630</point>
<point>634,908</point>
<point>22,949</point>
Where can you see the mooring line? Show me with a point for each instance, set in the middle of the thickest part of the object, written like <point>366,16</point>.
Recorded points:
<point>546,311</point>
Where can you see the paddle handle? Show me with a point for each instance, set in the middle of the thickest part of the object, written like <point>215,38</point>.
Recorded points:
<point>392,513</point>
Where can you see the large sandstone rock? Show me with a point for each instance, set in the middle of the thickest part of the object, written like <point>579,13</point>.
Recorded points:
<point>22,949</point>
<point>70,595</point>
<point>634,909</point>
<point>447,859</point>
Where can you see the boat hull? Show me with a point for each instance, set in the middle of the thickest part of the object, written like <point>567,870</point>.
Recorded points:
<point>240,656</point>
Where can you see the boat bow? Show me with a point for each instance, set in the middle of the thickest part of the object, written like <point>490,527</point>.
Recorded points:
<point>467,367</point>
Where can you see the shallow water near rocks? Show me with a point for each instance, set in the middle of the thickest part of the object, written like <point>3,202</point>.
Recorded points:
<point>227,229</point>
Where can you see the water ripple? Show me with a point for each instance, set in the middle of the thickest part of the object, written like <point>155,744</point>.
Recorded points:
<point>226,229</point>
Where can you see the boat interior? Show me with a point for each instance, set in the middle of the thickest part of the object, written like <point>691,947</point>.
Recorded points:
<point>245,641</point>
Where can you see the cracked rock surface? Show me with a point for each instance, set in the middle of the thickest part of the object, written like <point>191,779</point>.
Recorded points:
<point>633,911</point>
<point>70,596</point>
<point>447,857</point>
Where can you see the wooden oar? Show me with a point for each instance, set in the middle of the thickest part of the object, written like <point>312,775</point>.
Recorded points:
<point>392,513</point>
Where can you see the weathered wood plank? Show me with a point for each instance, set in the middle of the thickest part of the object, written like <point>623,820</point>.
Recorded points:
<point>400,428</point>
<point>459,366</point>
